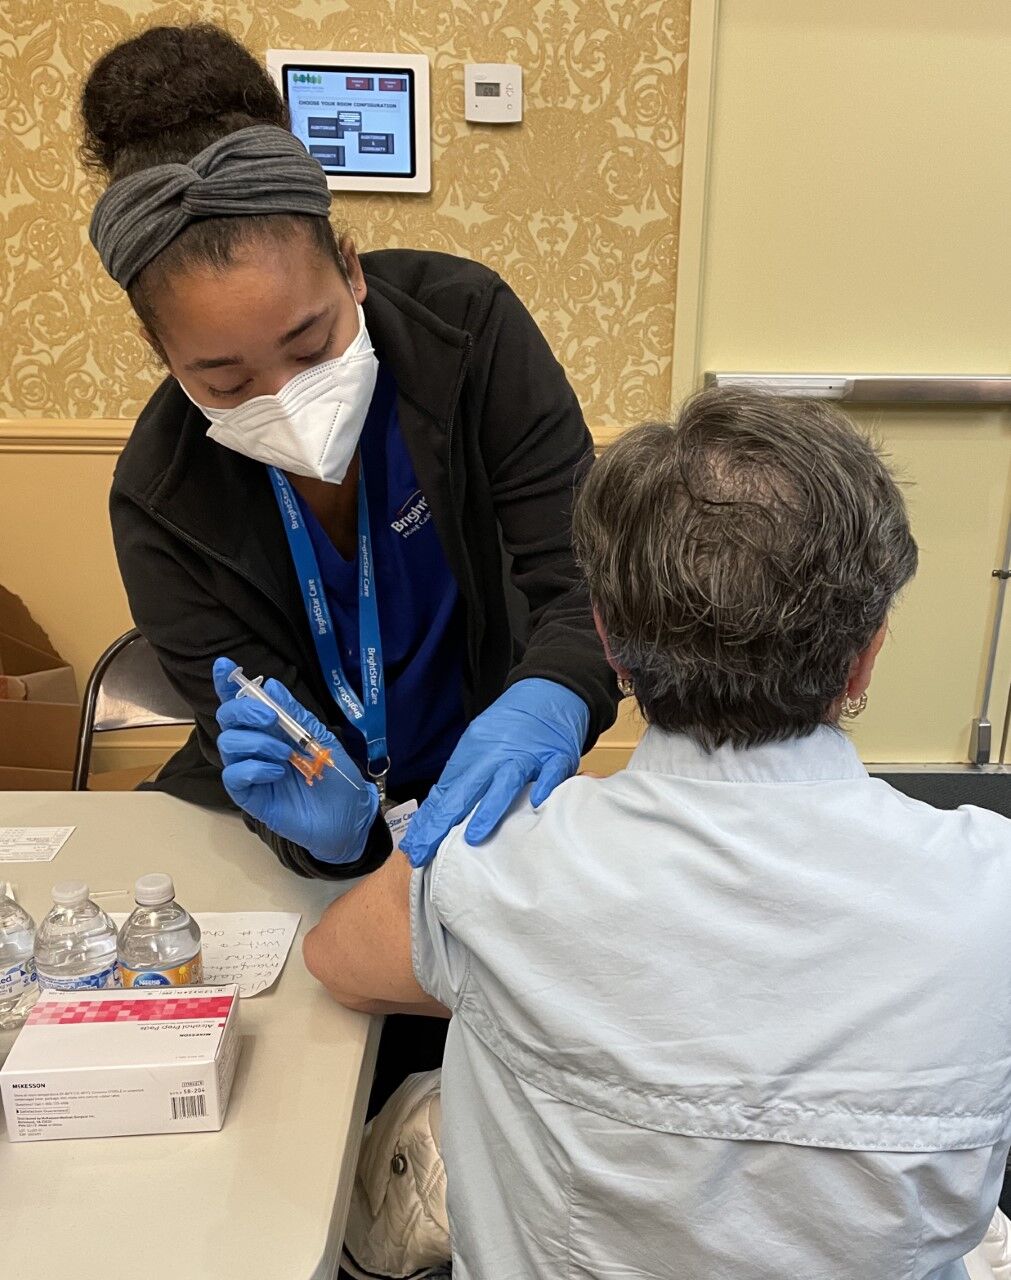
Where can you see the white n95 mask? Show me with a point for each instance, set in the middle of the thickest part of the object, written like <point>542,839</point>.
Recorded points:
<point>313,425</point>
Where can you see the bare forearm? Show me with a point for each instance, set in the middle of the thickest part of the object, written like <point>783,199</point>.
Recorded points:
<point>361,948</point>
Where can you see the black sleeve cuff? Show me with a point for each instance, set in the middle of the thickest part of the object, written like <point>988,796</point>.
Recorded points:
<point>378,848</point>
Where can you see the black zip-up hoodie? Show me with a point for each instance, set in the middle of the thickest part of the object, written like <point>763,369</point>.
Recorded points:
<point>498,444</point>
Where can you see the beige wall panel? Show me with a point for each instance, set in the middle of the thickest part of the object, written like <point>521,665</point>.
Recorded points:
<point>859,186</point>
<point>56,550</point>
<point>857,220</point>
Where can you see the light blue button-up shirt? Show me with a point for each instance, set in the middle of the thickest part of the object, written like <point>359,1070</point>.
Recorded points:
<point>745,1014</point>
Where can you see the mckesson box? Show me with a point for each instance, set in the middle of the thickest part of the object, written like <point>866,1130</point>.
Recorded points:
<point>96,1064</point>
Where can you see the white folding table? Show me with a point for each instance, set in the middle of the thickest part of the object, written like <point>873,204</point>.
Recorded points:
<point>267,1197</point>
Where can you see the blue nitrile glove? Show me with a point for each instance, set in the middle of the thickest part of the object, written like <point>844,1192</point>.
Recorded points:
<point>535,730</point>
<point>330,819</point>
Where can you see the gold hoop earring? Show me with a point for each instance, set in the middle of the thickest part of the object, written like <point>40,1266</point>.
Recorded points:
<point>852,707</point>
<point>625,686</point>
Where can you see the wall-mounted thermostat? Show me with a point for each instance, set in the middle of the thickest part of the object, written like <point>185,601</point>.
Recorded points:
<point>364,116</point>
<point>493,92</point>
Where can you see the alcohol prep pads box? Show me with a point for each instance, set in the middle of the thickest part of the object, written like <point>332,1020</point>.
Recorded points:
<point>97,1064</point>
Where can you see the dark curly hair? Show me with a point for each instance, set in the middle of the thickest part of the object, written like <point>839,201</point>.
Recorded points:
<point>161,97</point>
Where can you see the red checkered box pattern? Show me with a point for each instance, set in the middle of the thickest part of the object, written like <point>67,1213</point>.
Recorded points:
<point>63,1013</point>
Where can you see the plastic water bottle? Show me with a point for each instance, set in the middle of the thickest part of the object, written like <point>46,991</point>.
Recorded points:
<point>159,944</point>
<point>75,945</point>
<point>18,987</point>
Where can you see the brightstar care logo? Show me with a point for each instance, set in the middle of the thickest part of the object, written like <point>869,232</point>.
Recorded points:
<point>316,608</point>
<point>372,667</point>
<point>412,516</point>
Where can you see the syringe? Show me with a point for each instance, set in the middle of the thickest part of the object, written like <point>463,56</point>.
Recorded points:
<point>316,757</point>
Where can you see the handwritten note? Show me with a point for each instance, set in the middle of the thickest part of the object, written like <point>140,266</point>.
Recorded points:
<point>245,947</point>
<point>32,844</point>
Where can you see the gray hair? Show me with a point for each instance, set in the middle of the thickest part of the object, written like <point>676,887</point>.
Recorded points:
<point>740,559</point>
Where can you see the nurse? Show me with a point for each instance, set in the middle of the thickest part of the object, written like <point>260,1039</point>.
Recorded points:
<point>356,479</point>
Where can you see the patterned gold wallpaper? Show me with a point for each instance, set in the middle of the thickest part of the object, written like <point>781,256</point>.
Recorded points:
<point>577,207</point>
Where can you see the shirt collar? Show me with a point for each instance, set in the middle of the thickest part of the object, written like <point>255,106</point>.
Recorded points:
<point>826,755</point>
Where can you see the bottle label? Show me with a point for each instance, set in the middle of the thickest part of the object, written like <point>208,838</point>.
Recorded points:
<point>16,980</point>
<point>190,974</point>
<point>84,982</point>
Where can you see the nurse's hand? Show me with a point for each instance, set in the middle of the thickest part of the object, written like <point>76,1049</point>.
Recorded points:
<point>533,733</point>
<point>331,818</point>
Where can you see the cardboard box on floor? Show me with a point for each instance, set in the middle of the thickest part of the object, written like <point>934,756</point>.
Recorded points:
<point>39,711</point>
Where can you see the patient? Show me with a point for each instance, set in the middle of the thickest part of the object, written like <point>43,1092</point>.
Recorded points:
<point>738,1010</point>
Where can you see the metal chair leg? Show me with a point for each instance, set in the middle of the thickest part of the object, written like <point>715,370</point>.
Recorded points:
<point>86,730</point>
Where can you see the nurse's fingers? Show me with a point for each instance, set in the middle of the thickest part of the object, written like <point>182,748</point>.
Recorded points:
<point>243,780</point>
<point>242,744</point>
<point>223,687</point>
<point>245,713</point>
<point>554,772</point>
<point>294,708</point>
<point>508,782</point>
<point>446,804</point>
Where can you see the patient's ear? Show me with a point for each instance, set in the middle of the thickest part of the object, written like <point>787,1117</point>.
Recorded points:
<point>621,672</point>
<point>863,665</point>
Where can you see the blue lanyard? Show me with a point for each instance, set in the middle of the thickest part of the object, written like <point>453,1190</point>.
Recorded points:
<point>368,713</point>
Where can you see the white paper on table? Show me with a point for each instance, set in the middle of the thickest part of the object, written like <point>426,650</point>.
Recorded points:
<point>32,844</point>
<point>245,947</point>
<point>7,890</point>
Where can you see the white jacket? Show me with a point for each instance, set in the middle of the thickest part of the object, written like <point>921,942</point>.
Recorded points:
<point>991,1260</point>
<point>397,1224</point>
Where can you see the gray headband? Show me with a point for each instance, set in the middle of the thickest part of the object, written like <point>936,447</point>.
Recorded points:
<point>263,169</point>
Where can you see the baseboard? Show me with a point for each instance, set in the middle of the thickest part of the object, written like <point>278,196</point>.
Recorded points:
<point>64,435</point>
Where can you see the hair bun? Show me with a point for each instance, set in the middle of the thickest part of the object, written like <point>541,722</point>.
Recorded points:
<point>167,93</point>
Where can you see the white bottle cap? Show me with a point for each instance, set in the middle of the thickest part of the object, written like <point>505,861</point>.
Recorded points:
<point>154,890</point>
<point>70,893</point>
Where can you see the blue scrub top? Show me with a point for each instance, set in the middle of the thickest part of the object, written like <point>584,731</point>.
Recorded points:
<point>420,611</point>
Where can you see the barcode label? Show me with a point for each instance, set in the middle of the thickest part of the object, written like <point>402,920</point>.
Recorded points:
<point>188,1106</point>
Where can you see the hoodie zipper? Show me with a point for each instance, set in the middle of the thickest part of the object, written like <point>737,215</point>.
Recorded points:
<point>469,590</point>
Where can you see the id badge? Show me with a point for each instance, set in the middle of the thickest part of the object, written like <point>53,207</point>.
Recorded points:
<point>398,817</point>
